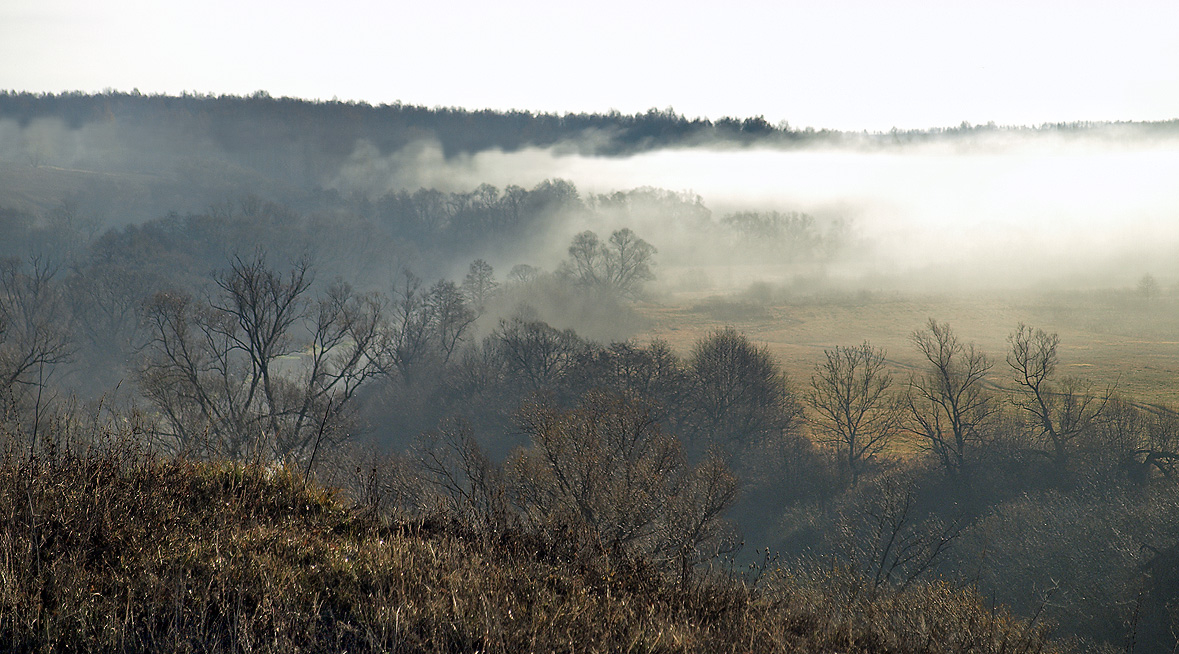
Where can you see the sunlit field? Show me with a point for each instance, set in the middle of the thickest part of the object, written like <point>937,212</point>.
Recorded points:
<point>1113,337</point>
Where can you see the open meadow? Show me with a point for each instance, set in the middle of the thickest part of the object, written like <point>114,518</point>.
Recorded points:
<point>1108,337</point>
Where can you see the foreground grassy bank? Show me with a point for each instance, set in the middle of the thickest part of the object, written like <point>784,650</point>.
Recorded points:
<point>109,549</point>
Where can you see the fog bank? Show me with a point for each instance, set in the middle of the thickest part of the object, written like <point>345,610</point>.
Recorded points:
<point>1007,210</point>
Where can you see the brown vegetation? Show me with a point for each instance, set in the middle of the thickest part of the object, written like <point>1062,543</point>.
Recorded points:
<point>106,548</point>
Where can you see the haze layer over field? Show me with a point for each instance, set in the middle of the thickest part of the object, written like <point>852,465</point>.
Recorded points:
<point>1004,210</point>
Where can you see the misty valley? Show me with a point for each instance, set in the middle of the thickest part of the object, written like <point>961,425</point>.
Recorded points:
<point>291,375</point>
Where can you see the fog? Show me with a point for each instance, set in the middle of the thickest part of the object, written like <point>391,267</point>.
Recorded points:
<point>1005,210</point>
<point>998,208</point>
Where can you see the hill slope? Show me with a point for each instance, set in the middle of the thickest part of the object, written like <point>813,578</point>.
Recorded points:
<point>111,550</point>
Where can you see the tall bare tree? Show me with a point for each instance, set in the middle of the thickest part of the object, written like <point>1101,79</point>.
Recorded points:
<point>607,467</point>
<point>479,284</point>
<point>1063,410</point>
<point>254,314</point>
<point>348,347</point>
<point>854,411</point>
<point>427,325</point>
<point>947,403</point>
<point>230,375</point>
<point>450,317</point>
<point>34,322</point>
<point>739,395</point>
<point>35,333</point>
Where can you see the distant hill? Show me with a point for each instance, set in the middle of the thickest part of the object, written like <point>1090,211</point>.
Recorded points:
<point>239,124</point>
<point>261,122</point>
<point>132,157</point>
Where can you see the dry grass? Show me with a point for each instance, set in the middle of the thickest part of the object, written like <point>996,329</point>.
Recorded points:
<point>108,549</point>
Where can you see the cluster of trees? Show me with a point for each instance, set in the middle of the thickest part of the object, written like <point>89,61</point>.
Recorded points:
<point>354,235</point>
<point>516,409</point>
<point>725,396</point>
<point>93,284</point>
<point>516,421</point>
<point>485,220</point>
<point>629,441</point>
<point>1030,479</point>
<point>101,302</point>
<point>791,236</point>
<point>633,444</point>
<point>490,222</point>
<point>264,357</point>
<point>620,265</point>
<point>1061,485</point>
<point>957,414</point>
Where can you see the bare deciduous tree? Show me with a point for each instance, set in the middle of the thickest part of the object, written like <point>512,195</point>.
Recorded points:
<point>603,465</point>
<point>450,316</point>
<point>1148,287</point>
<point>694,530</point>
<point>537,353</point>
<point>1159,448</point>
<point>608,467</point>
<point>653,372</point>
<point>1146,439</point>
<point>523,273</point>
<point>451,460</point>
<point>105,298</point>
<point>34,323</point>
<point>1063,410</point>
<point>348,344</point>
<point>738,393</point>
<point>947,403</point>
<point>621,265</point>
<point>35,332</point>
<point>229,376</point>
<point>479,284</point>
<point>409,333</point>
<point>889,538</point>
<point>854,411</point>
<point>427,325</point>
<point>253,314</point>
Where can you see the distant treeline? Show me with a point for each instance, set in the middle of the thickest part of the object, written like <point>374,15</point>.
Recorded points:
<point>436,232</point>
<point>260,121</point>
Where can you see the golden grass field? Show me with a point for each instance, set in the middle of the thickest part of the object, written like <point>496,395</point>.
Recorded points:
<point>1107,336</point>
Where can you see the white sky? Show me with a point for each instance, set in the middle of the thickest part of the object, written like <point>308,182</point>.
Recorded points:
<point>837,63</point>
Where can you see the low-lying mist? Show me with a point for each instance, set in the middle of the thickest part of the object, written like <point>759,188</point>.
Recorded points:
<point>1008,211</point>
<point>989,209</point>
